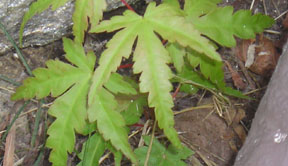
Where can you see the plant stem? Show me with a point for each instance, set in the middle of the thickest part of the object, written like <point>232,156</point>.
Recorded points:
<point>127,5</point>
<point>150,145</point>
<point>14,119</point>
<point>37,122</point>
<point>16,48</point>
<point>9,80</point>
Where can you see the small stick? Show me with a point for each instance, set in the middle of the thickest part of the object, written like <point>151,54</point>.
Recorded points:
<point>150,145</point>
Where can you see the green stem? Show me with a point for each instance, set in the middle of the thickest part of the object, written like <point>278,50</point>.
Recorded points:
<point>37,122</point>
<point>16,48</point>
<point>4,78</point>
<point>14,119</point>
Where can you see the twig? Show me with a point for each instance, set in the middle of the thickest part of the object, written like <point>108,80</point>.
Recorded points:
<point>275,6</point>
<point>265,8</point>
<point>176,92</point>
<point>282,14</point>
<point>194,108</point>
<point>37,162</point>
<point>150,145</point>
<point>252,5</point>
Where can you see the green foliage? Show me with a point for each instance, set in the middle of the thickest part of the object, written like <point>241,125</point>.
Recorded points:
<point>100,99</point>
<point>92,150</point>
<point>150,58</point>
<point>134,111</point>
<point>195,8</point>
<point>83,9</point>
<point>161,156</point>
<point>70,108</point>
<point>102,110</point>
<point>221,24</point>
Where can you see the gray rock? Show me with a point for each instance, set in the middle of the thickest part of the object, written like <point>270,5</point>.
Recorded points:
<point>43,28</point>
<point>267,142</point>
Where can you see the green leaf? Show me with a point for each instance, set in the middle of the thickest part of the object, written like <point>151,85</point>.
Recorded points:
<point>235,93</point>
<point>38,7</point>
<point>221,25</point>
<point>196,8</point>
<point>173,27</point>
<point>150,56</point>
<point>172,3</point>
<point>198,81</point>
<point>69,109</point>
<point>177,54</point>
<point>150,60</point>
<point>188,73</point>
<point>70,112</point>
<point>84,9</point>
<point>161,156</point>
<point>134,111</point>
<point>211,70</point>
<point>119,46</point>
<point>110,123</point>
<point>117,154</point>
<point>92,150</point>
<point>188,88</point>
<point>58,76</point>
<point>117,22</point>
<point>116,84</point>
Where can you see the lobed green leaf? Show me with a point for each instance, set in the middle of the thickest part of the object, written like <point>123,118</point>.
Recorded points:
<point>58,76</point>
<point>128,18</point>
<point>70,112</point>
<point>177,54</point>
<point>84,9</point>
<point>221,25</point>
<point>92,150</point>
<point>161,156</point>
<point>212,70</point>
<point>110,123</point>
<point>196,8</point>
<point>174,27</point>
<point>119,46</point>
<point>116,84</point>
<point>150,60</point>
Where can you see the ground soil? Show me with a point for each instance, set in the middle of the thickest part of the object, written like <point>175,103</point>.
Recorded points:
<point>214,133</point>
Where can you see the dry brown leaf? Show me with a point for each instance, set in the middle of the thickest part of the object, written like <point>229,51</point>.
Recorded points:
<point>239,130</point>
<point>239,116</point>
<point>285,22</point>
<point>237,80</point>
<point>10,147</point>
<point>265,58</point>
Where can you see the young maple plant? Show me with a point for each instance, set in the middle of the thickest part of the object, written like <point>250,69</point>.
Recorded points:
<point>87,99</point>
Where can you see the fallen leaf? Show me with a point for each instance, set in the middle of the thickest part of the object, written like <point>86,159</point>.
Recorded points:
<point>239,130</point>
<point>285,22</point>
<point>265,55</point>
<point>237,80</point>
<point>10,147</point>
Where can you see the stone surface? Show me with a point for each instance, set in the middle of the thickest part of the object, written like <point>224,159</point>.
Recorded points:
<point>43,28</point>
<point>267,142</point>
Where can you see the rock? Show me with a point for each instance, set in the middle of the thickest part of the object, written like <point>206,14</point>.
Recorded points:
<point>267,141</point>
<point>43,28</point>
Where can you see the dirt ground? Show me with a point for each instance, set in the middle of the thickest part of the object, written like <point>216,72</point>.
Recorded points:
<point>215,132</point>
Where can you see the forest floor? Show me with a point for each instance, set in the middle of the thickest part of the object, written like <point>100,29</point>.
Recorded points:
<point>214,130</point>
